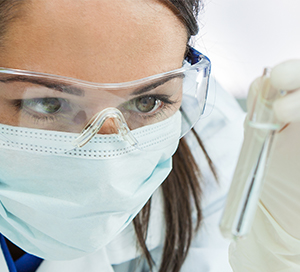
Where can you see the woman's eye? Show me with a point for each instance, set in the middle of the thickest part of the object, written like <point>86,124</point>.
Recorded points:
<point>43,105</point>
<point>147,103</point>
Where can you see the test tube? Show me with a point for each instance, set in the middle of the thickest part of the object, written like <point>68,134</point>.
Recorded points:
<point>248,179</point>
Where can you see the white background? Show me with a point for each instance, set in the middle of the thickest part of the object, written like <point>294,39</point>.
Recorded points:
<point>241,37</point>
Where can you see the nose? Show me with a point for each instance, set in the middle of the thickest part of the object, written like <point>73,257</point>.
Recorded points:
<point>108,127</point>
<point>108,121</point>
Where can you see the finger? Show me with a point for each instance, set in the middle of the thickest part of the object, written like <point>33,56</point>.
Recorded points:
<point>286,75</point>
<point>287,108</point>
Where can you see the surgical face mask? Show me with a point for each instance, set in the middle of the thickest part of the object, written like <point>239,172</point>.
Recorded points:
<point>67,205</point>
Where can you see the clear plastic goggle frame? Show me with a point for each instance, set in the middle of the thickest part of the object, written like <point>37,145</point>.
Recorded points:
<point>55,103</point>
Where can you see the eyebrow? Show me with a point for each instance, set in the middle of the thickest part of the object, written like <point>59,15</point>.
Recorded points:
<point>64,88</point>
<point>156,84</point>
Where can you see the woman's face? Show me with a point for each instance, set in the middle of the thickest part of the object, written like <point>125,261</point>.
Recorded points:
<point>104,41</point>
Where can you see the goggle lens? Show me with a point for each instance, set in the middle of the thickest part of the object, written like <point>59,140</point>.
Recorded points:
<point>55,103</point>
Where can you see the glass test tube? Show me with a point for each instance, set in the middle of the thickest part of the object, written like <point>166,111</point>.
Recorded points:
<point>248,178</point>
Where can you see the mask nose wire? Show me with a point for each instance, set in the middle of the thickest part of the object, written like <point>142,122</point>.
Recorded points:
<point>95,124</point>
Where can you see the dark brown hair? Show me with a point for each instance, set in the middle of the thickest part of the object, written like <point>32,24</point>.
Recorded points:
<point>181,190</point>
<point>181,194</point>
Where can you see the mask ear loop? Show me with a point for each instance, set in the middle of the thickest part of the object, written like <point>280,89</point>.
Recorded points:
<point>95,124</point>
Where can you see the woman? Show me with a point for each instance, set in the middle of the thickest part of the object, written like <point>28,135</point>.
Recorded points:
<point>68,195</point>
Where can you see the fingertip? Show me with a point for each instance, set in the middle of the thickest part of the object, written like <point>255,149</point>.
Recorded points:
<point>286,75</point>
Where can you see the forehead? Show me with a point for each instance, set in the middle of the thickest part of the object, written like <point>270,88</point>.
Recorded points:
<point>96,40</point>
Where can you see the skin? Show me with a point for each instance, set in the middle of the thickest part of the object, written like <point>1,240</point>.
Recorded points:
<point>101,41</point>
<point>96,40</point>
<point>107,41</point>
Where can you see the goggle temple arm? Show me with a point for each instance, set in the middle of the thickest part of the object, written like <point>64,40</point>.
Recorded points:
<point>192,55</point>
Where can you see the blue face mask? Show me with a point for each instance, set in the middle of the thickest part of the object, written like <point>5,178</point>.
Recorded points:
<point>66,205</point>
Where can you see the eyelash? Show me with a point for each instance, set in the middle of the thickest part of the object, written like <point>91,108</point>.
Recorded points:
<point>165,99</point>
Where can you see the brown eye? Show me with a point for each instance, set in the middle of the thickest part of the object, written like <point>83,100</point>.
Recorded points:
<point>146,103</point>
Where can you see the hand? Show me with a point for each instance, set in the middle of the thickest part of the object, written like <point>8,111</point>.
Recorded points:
<point>281,193</point>
<point>274,241</point>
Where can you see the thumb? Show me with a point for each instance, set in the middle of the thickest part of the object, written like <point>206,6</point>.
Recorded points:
<point>286,77</point>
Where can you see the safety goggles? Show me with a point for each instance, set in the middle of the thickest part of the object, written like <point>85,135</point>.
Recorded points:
<point>56,103</point>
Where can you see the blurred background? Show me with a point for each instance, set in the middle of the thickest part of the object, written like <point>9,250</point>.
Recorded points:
<point>241,37</point>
